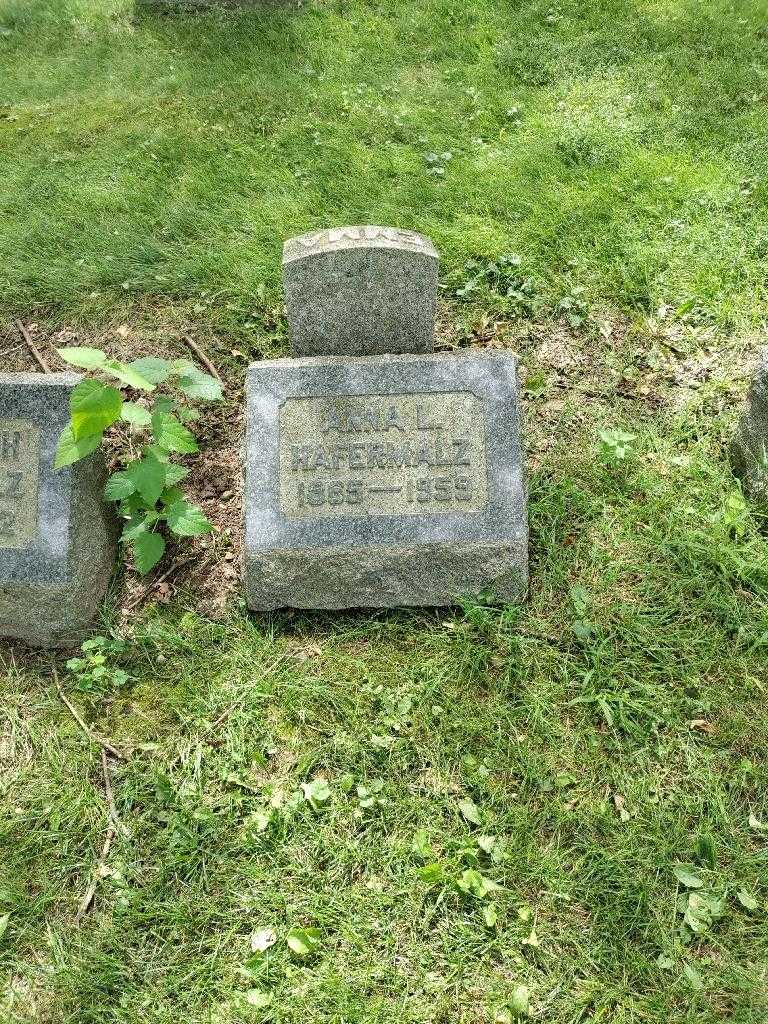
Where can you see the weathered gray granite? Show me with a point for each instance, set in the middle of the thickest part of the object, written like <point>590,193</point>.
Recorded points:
<point>386,481</point>
<point>360,290</point>
<point>57,538</point>
<point>749,447</point>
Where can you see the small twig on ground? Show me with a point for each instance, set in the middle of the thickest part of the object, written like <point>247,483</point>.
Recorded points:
<point>33,348</point>
<point>202,357</point>
<point>156,583</point>
<point>109,793</point>
<point>90,892</point>
<point>91,736</point>
<point>567,386</point>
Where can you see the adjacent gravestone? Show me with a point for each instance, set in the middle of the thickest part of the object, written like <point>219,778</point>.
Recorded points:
<point>749,448</point>
<point>361,290</point>
<point>57,545</point>
<point>395,480</point>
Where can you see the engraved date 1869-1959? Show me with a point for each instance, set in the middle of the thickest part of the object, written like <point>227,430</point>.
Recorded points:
<point>383,455</point>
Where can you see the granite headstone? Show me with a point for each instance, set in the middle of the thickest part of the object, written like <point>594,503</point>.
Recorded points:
<point>360,290</point>
<point>749,447</point>
<point>57,546</point>
<point>395,480</point>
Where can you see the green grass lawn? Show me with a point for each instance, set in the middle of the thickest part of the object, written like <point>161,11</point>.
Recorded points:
<point>568,797</point>
<point>617,147</point>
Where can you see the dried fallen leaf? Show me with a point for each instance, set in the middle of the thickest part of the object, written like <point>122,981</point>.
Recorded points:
<point>619,802</point>
<point>308,651</point>
<point>702,725</point>
<point>263,939</point>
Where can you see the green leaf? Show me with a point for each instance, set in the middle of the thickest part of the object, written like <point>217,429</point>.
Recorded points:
<point>94,407</point>
<point>148,475</point>
<point>474,884</point>
<point>470,811</point>
<point>151,368</point>
<point>687,876</point>
<point>174,473</point>
<point>180,367</point>
<point>148,549</point>
<point>433,873</point>
<point>519,1003</point>
<point>136,415</point>
<point>702,910</point>
<point>316,793</point>
<point>346,782</point>
<point>421,845</point>
<point>171,435</point>
<point>303,942</point>
<point>68,450</point>
<point>171,495</point>
<point>127,375</point>
<point>119,486</point>
<point>164,404</point>
<point>746,900</point>
<point>693,977</point>
<point>135,526</point>
<point>490,915</point>
<point>87,358</point>
<point>258,998</point>
<point>187,520</point>
<point>196,384</point>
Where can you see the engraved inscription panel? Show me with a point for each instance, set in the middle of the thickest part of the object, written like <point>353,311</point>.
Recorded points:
<point>19,482</point>
<point>383,455</point>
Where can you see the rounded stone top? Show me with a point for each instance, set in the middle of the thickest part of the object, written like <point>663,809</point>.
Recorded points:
<point>357,236</point>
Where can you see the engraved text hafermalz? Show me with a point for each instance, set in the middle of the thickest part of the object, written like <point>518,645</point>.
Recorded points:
<point>383,455</point>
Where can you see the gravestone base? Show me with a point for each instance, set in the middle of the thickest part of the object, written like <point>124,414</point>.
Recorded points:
<point>385,577</point>
<point>57,536</point>
<point>384,481</point>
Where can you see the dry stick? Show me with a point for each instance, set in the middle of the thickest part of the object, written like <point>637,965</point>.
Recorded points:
<point>90,892</point>
<point>33,348</point>
<point>109,793</point>
<point>91,736</point>
<point>202,357</point>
